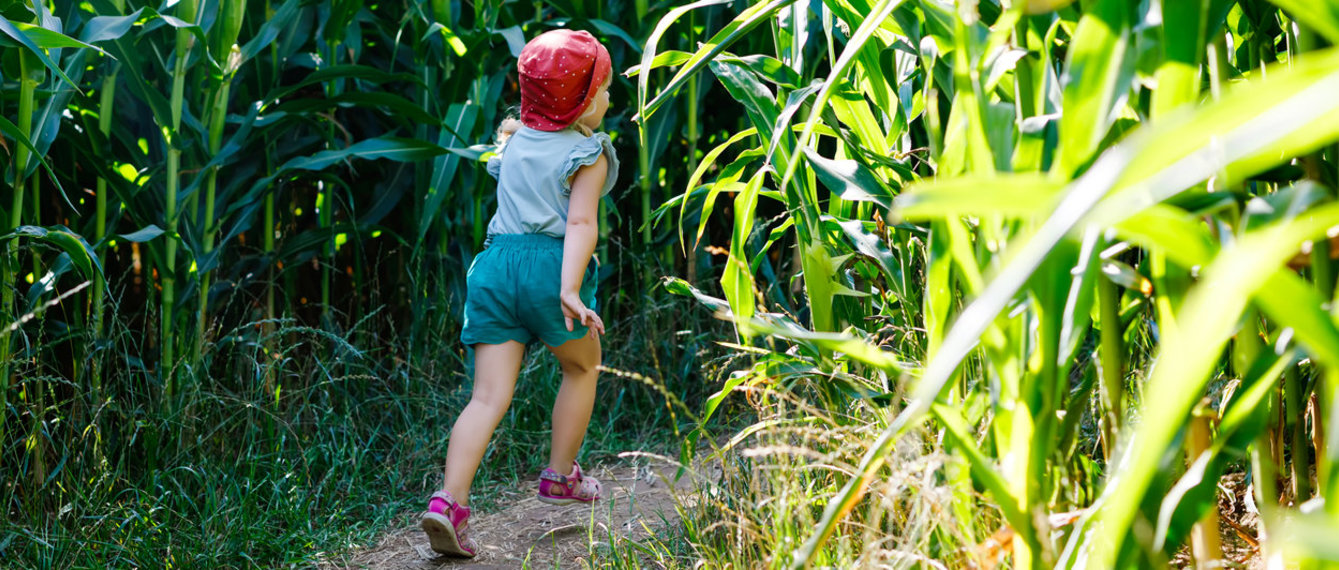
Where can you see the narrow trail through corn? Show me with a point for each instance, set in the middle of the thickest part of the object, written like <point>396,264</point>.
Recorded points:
<point>523,532</point>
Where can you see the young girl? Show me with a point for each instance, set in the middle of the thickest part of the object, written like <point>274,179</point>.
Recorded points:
<point>535,279</point>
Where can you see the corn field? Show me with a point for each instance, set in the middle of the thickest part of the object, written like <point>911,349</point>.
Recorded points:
<point>1025,284</point>
<point>1077,250</point>
<point>234,261</point>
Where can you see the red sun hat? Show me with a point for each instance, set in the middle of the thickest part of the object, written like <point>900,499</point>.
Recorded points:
<point>561,72</point>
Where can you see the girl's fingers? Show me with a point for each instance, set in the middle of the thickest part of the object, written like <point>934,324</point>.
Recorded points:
<point>575,312</point>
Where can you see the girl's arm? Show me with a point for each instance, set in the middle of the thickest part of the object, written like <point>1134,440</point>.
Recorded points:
<point>579,242</point>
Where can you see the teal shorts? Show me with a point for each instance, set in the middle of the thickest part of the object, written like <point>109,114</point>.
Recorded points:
<point>512,292</point>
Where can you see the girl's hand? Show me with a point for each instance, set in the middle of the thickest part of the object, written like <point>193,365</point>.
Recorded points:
<point>574,309</point>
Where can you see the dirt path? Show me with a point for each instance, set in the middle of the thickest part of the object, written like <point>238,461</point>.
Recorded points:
<point>523,532</point>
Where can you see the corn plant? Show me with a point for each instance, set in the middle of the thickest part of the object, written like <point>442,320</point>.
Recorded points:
<point>1033,188</point>
<point>47,58</point>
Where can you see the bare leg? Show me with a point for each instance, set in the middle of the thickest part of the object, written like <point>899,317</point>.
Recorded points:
<point>495,369</point>
<point>571,410</point>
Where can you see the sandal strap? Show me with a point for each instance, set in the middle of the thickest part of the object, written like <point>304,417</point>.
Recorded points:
<point>575,484</point>
<point>457,513</point>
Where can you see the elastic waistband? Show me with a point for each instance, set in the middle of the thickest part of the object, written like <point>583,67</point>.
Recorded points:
<point>525,241</point>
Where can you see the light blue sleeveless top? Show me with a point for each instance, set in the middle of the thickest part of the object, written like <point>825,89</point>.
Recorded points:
<point>533,169</point>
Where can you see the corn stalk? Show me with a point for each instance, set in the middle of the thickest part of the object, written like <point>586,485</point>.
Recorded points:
<point>172,139</point>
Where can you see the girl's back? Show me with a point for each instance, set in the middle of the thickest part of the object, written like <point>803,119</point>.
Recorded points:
<point>534,172</point>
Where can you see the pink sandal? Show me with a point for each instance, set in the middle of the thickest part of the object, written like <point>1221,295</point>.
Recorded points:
<point>447,524</point>
<point>556,489</point>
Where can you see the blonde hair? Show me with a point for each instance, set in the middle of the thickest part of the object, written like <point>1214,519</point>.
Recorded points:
<point>509,126</point>
<point>580,128</point>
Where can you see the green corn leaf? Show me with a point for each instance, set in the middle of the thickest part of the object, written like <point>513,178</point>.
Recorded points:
<point>1196,490</point>
<point>1293,303</point>
<point>1288,300</point>
<point>38,42</point>
<point>708,162</point>
<point>742,24</point>
<point>47,283</point>
<point>160,19</point>
<point>759,102</point>
<point>393,105</point>
<point>104,28</point>
<point>1181,236</point>
<point>608,28</point>
<point>737,279</point>
<point>1241,418</point>
<point>60,237</point>
<point>767,67</point>
<point>819,270</point>
<point>727,181</point>
<point>317,238</point>
<point>372,75</point>
<point>229,151</point>
<point>13,131</point>
<point>51,39</point>
<point>392,148</point>
<point>872,247</point>
<point>1248,131</point>
<point>283,17</point>
<point>847,343</point>
<point>143,234</point>
<point>461,117</point>
<point>669,58</point>
<point>840,68</point>
<point>1077,314</point>
<point>136,74</point>
<point>1021,195</point>
<point>1320,15</point>
<point>849,179</point>
<point>1208,319</point>
<point>1179,75</point>
<point>1148,167</point>
<point>515,38</point>
<point>1311,535</point>
<point>736,379</point>
<point>782,120</point>
<point>1099,77</point>
<point>852,110</point>
<point>1285,203</point>
<point>982,467</point>
<point>677,286</point>
<point>448,36</point>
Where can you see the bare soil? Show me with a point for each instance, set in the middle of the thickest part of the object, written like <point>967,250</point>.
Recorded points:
<point>523,532</point>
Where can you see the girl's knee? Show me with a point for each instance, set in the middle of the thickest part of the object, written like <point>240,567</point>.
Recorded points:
<point>490,401</point>
<point>582,366</point>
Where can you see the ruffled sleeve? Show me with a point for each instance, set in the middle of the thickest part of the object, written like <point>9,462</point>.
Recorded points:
<point>494,166</point>
<point>585,153</point>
